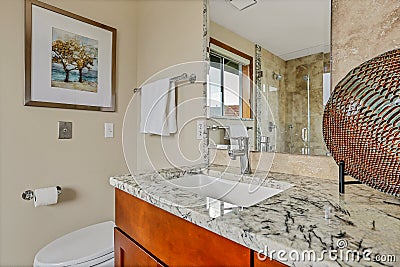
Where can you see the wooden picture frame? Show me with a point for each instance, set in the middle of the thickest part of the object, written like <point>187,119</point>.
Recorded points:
<point>70,61</point>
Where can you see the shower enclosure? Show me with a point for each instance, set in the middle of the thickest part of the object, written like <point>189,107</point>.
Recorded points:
<point>292,96</point>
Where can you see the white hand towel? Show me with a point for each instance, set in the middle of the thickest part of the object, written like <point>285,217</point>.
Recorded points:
<point>158,115</point>
<point>237,130</point>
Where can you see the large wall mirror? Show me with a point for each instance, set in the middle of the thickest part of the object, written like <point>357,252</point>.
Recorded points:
<point>269,71</point>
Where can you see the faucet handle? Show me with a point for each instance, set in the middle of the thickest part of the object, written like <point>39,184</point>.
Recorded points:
<point>231,153</point>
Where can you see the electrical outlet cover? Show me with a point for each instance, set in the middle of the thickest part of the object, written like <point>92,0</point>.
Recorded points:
<point>64,130</point>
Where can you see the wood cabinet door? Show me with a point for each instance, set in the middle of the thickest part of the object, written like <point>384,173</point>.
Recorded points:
<point>127,253</point>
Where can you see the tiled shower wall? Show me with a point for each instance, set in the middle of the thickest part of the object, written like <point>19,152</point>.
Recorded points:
<point>295,97</point>
<point>287,99</point>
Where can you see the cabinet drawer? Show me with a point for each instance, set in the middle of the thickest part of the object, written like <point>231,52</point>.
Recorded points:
<point>173,240</point>
<point>128,253</point>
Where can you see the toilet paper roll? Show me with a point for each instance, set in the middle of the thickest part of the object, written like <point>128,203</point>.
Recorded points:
<point>45,196</point>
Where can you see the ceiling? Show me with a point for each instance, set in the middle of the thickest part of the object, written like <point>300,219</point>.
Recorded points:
<point>287,28</point>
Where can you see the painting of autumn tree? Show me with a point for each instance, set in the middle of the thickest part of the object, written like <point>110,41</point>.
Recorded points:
<point>74,61</point>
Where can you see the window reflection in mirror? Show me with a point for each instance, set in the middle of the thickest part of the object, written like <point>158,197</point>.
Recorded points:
<point>229,87</point>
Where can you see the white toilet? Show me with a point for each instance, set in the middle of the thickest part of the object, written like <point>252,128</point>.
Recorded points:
<point>89,246</point>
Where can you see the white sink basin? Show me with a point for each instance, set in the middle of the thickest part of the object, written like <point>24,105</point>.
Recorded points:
<point>237,193</point>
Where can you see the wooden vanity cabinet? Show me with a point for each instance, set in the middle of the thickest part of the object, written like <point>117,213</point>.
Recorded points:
<point>149,236</point>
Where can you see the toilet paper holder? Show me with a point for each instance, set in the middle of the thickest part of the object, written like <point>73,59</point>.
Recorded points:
<point>29,194</point>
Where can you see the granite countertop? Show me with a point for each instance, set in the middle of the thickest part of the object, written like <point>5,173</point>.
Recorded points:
<point>360,228</point>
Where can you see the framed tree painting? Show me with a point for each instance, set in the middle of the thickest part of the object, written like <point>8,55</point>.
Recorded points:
<point>69,60</point>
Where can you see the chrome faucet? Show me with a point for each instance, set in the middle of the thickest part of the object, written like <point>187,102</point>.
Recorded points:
<point>242,152</point>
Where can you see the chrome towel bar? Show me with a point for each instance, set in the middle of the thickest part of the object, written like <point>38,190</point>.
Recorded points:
<point>184,76</point>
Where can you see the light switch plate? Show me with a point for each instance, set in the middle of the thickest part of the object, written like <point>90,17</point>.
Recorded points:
<point>109,130</point>
<point>64,130</point>
<point>200,129</point>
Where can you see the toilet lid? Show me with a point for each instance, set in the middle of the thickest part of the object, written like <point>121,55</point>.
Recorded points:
<point>94,242</point>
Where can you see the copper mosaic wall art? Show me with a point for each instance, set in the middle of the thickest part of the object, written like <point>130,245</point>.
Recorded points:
<point>361,123</point>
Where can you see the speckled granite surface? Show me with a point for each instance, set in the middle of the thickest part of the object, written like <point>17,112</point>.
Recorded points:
<point>308,218</point>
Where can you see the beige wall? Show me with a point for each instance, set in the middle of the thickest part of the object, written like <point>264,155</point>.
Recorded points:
<point>232,39</point>
<point>170,33</point>
<point>31,156</point>
<point>152,35</point>
<point>362,30</point>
